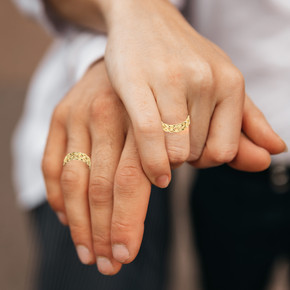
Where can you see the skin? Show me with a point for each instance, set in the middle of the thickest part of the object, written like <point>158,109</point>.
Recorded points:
<point>92,119</point>
<point>161,69</point>
<point>105,207</point>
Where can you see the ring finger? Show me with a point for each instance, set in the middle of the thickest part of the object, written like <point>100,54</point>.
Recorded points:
<point>74,183</point>
<point>107,144</point>
<point>174,114</point>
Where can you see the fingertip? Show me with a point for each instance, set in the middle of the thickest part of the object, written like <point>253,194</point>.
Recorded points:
<point>258,129</point>
<point>162,181</point>
<point>274,144</point>
<point>120,253</point>
<point>107,267</point>
<point>84,255</point>
<point>281,146</point>
<point>126,242</point>
<point>62,218</point>
<point>158,173</point>
<point>263,160</point>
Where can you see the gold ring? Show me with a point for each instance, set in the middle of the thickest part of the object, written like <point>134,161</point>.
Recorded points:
<point>77,156</point>
<point>176,128</point>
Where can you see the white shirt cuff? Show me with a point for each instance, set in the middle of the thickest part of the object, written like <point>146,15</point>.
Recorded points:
<point>84,48</point>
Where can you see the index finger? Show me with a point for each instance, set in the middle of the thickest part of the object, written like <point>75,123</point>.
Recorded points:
<point>131,197</point>
<point>142,109</point>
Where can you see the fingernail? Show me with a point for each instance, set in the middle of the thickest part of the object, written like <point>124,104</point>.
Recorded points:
<point>286,147</point>
<point>162,181</point>
<point>120,253</point>
<point>84,254</point>
<point>62,217</point>
<point>105,266</point>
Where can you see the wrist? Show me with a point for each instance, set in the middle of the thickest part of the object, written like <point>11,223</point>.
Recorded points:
<point>115,12</point>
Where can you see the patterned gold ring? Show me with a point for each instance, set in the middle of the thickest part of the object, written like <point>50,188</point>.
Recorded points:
<point>176,128</point>
<point>77,156</point>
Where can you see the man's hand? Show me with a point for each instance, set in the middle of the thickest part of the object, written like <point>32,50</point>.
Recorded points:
<point>105,208</point>
<point>162,70</point>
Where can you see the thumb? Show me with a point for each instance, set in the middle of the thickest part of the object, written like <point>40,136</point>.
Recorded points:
<point>258,130</point>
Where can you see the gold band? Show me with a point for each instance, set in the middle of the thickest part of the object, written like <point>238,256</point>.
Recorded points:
<point>176,128</point>
<point>77,156</point>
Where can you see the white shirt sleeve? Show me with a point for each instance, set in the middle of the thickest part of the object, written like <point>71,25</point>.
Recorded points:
<point>71,54</point>
<point>84,48</point>
<point>64,64</point>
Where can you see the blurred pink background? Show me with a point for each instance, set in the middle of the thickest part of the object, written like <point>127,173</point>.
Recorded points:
<point>22,45</point>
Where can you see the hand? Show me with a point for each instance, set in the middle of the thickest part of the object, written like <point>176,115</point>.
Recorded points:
<point>99,205</point>
<point>105,208</point>
<point>164,70</point>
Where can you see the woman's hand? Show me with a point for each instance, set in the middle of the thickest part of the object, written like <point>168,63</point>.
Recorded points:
<point>163,70</point>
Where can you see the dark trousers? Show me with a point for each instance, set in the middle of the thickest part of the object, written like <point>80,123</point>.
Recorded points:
<point>60,269</point>
<point>241,223</point>
<point>242,226</point>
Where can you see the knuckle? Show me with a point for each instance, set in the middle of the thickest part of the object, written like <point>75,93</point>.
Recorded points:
<point>69,180</point>
<point>100,239</point>
<point>48,168</point>
<point>59,113</point>
<point>157,167</point>
<point>127,175</point>
<point>79,233</point>
<point>225,154</point>
<point>102,107</point>
<point>100,184</point>
<point>96,109</point>
<point>195,154</point>
<point>147,126</point>
<point>177,154</point>
<point>54,201</point>
<point>203,76</point>
<point>100,191</point>
<point>233,77</point>
<point>122,226</point>
<point>207,77</point>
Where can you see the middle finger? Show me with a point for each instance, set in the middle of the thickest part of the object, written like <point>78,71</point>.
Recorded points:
<point>107,144</point>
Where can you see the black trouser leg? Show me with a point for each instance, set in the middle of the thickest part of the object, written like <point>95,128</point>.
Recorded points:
<point>60,268</point>
<point>242,225</point>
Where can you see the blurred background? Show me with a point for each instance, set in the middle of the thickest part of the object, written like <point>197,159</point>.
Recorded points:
<point>22,44</point>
